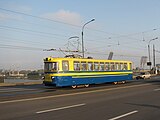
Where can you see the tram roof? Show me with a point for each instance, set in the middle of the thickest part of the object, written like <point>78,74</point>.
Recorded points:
<point>49,59</point>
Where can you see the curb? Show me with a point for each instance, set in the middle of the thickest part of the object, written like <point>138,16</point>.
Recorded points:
<point>18,84</point>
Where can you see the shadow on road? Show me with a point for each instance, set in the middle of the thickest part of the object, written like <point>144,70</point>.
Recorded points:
<point>154,81</point>
<point>145,105</point>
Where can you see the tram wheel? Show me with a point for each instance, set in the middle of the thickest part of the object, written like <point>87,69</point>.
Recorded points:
<point>86,85</point>
<point>115,83</point>
<point>74,86</point>
<point>123,82</point>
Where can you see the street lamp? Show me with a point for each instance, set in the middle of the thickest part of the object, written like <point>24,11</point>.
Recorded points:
<point>149,50</point>
<point>82,35</point>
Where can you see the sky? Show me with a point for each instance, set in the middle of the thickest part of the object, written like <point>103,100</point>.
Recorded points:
<point>28,28</point>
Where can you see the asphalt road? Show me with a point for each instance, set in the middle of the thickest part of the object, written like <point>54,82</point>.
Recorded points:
<point>135,100</point>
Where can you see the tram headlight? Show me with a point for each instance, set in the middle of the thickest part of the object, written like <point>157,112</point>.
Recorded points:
<point>52,77</point>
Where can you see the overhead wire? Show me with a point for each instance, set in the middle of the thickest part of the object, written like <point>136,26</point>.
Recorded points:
<point>14,40</point>
<point>4,26</point>
<point>115,34</point>
<point>42,18</point>
<point>19,47</point>
<point>61,23</point>
<point>31,23</point>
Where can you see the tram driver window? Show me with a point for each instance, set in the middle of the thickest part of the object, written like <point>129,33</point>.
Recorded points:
<point>65,65</point>
<point>51,66</point>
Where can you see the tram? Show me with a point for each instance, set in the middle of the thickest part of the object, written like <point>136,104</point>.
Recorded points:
<point>73,72</point>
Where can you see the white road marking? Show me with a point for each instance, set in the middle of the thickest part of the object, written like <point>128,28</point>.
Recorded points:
<point>157,89</point>
<point>61,108</point>
<point>124,115</point>
<point>71,94</point>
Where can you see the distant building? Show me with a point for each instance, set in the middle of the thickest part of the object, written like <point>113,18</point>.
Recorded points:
<point>15,74</point>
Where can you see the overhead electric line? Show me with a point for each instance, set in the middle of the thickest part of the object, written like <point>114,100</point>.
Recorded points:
<point>19,47</point>
<point>41,49</point>
<point>3,26</point>
<point>38,17</point>
<point>33,42</point>
<point>56,21</point>
<point>42,18</point>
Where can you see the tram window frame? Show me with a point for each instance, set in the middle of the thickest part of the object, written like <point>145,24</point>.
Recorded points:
<point>65,65</point>
<point>125,67</point>
<point>121,66</point>
<point>90,66</point>
<point>101,66</point>
<point>116,66</point>
<point>96,66</point>
<point>83,66</point>
<point>76,65</point>
<point>107,66</point>
<point>51,66</point>
<point>130,66</point>
<point>112,66</point>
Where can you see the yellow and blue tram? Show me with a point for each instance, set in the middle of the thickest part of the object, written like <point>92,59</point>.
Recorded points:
<point>82,71</point>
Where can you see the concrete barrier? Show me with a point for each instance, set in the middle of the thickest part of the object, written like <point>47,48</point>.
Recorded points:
<point>1,79</point>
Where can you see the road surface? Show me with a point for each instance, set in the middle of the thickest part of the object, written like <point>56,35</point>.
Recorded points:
<point>135,100</point>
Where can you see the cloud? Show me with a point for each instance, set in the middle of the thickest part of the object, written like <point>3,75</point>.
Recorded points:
<point>4,16</point>
<point>65,16</point>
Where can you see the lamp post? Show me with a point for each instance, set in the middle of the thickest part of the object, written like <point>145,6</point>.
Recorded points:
<point>82,35</point>
<point>149,56</point>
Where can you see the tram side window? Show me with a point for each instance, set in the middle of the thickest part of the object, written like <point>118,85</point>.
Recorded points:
<point>107,66</point>
<point>76,66</point>
<point>55,66</point>
<point>101,66</point>
<point>90,66</point>
<point>116,66</point>
<point>125,66</point>
<point>96,66</point>
<point>65,65</point>
<point>121,66</point>
<point>112,66</point>
<point>83,66</point>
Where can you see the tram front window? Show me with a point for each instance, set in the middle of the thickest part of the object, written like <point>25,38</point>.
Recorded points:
<point>51,66</point>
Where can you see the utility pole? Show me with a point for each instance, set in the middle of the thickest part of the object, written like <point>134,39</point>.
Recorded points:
<point>154,60</point>
<point>154,57</point>
<point>149,56</point>
<point>150,63</point>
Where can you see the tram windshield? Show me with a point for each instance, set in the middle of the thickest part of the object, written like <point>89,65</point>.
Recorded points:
<point>51,66</point>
